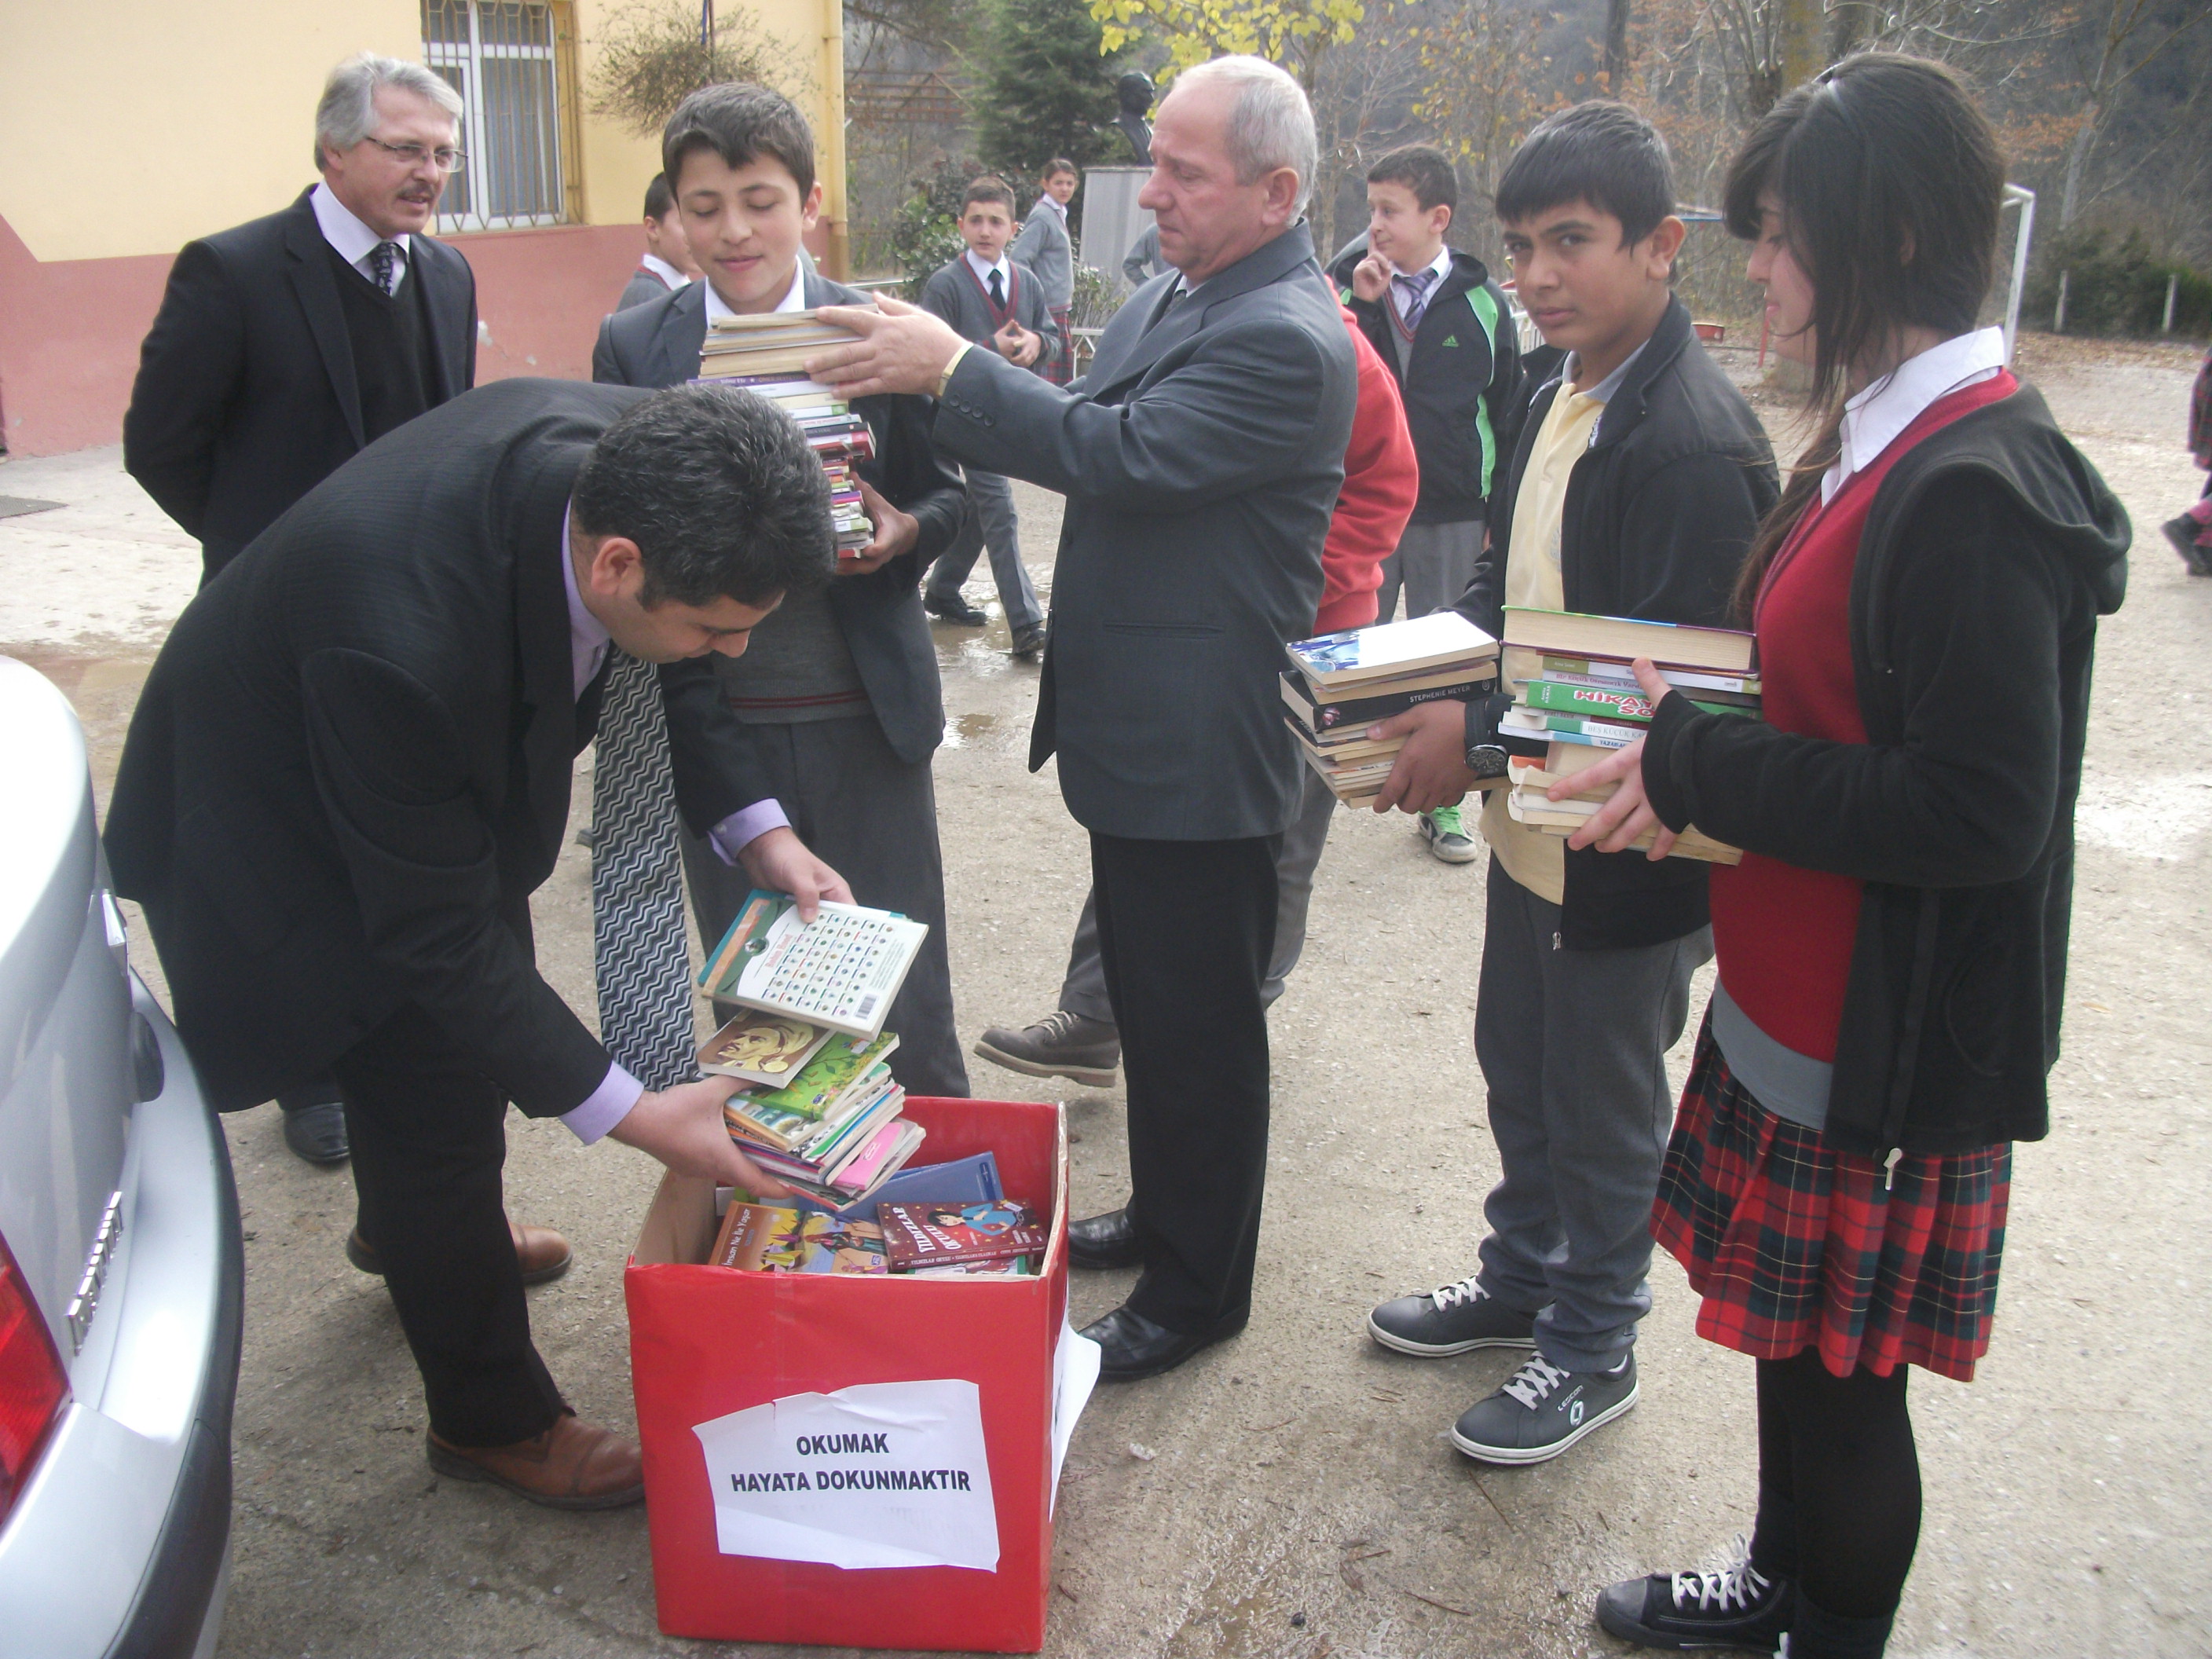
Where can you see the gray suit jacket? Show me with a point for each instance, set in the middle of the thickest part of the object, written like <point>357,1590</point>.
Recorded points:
<point>1043,247</point>
<point>1201,457</point>
<point>642,286</point>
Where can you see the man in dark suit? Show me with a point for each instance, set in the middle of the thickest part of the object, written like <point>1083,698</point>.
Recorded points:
<point>838,699</point>
<point>350,767</point>
<point>1201,456</point>
<point>287,344</point>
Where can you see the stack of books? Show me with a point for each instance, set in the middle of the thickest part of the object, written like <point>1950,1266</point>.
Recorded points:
<point>821,1110</point>
<point>1577,699</point>
<point>1338,684</point>
<point>767,356</point>
<point>834,1132</point>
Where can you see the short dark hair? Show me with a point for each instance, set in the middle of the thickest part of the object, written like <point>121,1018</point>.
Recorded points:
<point>740,123</point>
<point>1424,170</point>
<point>720,492</point>
<point>1060,164</point>
<point>660,200</point>
<point>1598,152</point>
<point>987,189</point>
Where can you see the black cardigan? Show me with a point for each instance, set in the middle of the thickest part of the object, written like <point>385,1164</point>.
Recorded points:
<point>1989,552</point>
<point>1657,519</point>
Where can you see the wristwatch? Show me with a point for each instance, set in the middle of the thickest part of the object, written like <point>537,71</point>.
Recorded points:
<point>1486,755</point>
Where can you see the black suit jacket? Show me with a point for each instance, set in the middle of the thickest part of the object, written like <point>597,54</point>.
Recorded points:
<point>245,397</point>
<point>657,344</point>
<point>350,763</point>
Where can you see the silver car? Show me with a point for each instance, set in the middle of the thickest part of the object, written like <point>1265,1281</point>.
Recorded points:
<point>121,1274</point>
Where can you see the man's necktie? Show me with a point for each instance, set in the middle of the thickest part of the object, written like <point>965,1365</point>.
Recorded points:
<point>643,965</point>
<point>384,265</point>
<point>1412,294</point>
<point>997,292</point>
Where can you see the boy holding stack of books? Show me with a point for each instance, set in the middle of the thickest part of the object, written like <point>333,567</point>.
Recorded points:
<point>1638,479</point>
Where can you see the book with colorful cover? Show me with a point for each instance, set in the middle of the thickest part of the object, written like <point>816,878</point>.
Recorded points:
<point>756,1047</point>
<point>1608,703</point>
<point>1391,650</point>
<point>939,1235</point>
<point>842,1061</point>
<point>771,1238</point>
<point>842,970</point>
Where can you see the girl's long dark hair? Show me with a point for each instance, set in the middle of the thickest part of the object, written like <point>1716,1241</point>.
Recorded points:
<point>1890,181</point>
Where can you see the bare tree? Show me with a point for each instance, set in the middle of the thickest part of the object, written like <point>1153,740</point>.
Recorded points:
<point>655,54</point>
<point>2133,34</point>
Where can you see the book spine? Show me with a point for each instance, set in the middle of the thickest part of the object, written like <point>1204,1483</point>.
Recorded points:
<point>1348,711</point>
<point>1564,699</point>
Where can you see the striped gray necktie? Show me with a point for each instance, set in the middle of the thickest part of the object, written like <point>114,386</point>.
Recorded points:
<point>641,963</point>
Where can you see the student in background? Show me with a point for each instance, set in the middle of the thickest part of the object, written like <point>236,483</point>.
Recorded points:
<point>1434,316</point>
<point>996,302</point>
<point>1142,263</point>
<point>1638,481</point>
<point>1892,947</point>
<point>1046,248</point>
<point>2192,533</point>
<point>667,264</point>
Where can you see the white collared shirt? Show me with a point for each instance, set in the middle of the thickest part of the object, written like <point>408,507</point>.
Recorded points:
<point>354,240</point>
<point>1874,417</point>
<point>794,297</point>
<point>1046,201</point>
<point>1440,264</point>
<point>983,271</point>
<point>670,276</point>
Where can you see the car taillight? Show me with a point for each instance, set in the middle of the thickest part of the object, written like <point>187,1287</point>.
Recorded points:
<point>32,1385</point>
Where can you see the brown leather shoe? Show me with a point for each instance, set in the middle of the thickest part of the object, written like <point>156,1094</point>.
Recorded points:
<point>543,1252</point>
<point>572,1466</point>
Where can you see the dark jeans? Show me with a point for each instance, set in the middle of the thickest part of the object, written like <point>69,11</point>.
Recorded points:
<point>873,818</point>
<point>428,1139</point>
<point>1185,928</point>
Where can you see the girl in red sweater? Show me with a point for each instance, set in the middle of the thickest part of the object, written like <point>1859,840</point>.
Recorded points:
<point>1892,949</point>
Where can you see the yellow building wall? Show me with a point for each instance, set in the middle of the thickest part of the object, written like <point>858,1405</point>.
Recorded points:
<point>132,126</point>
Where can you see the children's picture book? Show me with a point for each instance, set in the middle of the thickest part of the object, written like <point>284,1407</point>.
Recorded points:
<point>770,1238</point>
<point>822,1082</point>
<point>1389,650</point>
<point>840,970</point>
<point>761,1048</point>
<point>942,1234</point>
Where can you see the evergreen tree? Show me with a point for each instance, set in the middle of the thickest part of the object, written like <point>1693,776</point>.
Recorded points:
<point>1050,90</point>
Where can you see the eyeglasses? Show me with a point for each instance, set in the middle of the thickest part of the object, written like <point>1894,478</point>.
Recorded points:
<point>446,158</point>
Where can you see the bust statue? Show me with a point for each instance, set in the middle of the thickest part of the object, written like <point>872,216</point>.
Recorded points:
<point>1134,92</point>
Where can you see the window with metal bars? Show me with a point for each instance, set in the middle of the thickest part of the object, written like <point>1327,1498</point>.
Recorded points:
<point>500,56</point>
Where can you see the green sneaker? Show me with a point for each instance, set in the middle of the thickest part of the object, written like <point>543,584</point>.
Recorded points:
<point>1447,839</point>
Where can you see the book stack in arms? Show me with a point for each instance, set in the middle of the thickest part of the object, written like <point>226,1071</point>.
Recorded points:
<point>1338,684</point>
<point>1575,699</point>
<point>767,356</point>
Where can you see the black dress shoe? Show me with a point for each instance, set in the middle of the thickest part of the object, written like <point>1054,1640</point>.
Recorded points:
<point>955,610</point>
<point>1104,1240</point>
<point>317,1132</point>
<point>1135,1348</point>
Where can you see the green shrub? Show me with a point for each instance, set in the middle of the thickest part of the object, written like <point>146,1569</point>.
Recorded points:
<point>926,234</point>
<point>2114,288</point>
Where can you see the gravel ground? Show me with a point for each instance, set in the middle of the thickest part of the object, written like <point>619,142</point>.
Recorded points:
<point>1301,1500</point>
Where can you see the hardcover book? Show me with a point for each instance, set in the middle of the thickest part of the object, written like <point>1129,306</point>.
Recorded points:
<point>940,1235</point>
<point>1389,650</point>
<point>1572,633</point>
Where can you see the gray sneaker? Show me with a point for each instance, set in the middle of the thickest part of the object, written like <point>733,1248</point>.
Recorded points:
<point>1542,1410</point>
<point>1061,1044</point>
<point>1450,1319</point>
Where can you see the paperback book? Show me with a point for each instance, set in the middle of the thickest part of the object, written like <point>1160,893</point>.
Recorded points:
<point>940,1235</point>
<point>840,970</point>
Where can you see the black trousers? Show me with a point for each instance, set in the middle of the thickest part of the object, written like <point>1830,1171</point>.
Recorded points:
<point>429,1139</point>
<point>1185,931</point>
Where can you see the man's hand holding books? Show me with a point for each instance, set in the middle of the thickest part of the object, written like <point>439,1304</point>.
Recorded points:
<point>684,1128</point>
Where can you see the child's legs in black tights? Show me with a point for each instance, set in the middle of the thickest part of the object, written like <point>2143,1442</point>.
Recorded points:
<point>1838,1487</point>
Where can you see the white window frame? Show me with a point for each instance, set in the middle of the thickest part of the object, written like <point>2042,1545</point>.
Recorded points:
<point>480,136</point>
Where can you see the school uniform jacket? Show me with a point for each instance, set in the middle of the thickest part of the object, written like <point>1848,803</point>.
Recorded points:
<point>956,293</point>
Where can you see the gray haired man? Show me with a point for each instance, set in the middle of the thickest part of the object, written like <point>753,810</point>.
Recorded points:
<point>1201,458</point>
<point>287,345</point>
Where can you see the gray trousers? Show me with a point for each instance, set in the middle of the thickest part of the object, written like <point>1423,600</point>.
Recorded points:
<point>1434,563</point>
<point>989,522</point>
<point>1573,1050</point>
<point>1085,991</point>
<point>872,817</point>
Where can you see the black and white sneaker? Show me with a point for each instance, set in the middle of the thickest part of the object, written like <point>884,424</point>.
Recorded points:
<point>1542,1410</point>
<point>1737,1607</point>
<point>1450,1319</point>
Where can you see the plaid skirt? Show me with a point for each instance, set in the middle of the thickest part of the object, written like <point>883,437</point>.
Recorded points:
<point>1061,373</point>
<point>1795,1245</point>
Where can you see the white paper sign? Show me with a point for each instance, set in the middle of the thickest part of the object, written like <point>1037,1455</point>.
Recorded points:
<point>1075,1363</point>
<point>880,1474</point>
